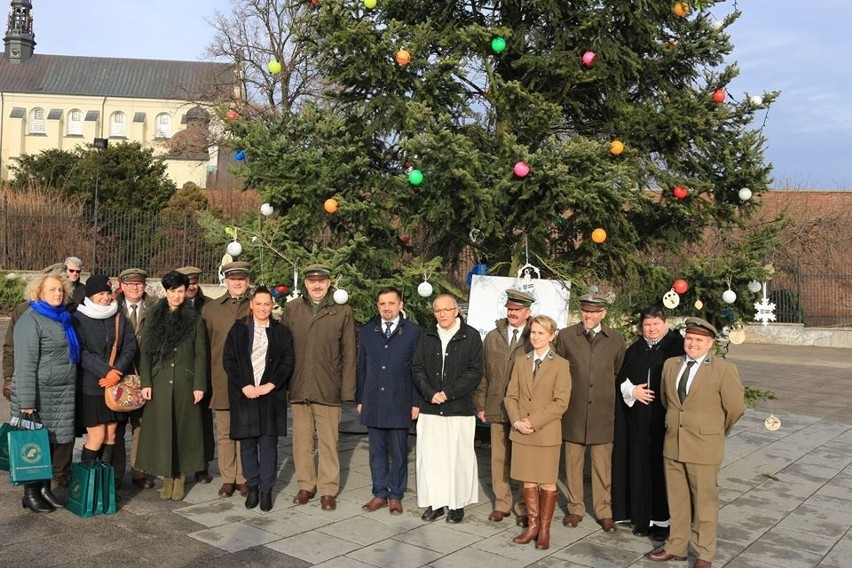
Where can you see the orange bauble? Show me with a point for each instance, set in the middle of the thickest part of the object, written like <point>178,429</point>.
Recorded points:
<point>403,57</point>
<point>616,147</point>
<point>719,96</point>
<point>680,9</point>
<point>330,205</point>
<point>679,192</point>
<point>599,235</point>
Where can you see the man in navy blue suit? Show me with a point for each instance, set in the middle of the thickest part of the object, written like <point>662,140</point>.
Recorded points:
<point>386,398</point>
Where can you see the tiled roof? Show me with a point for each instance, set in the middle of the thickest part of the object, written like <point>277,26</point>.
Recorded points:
<point>113,77</point>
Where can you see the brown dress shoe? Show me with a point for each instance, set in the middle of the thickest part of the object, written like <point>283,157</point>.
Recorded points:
<point>227,489</point>
<point>572,520</point>
<point>662,555</point>
<point>395,507</point>
<point>303,496</point>
<point>375,504</point>
<point>497,516</point>
<point>607,524</point>
<point>701,564</point>
<point>328,503</point>
<point>243,489</point>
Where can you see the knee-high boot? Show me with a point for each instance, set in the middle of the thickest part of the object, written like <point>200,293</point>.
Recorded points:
<point>532,501</point>
<point>88,456</point>
<point>108,450</point>
<point>546,507</point>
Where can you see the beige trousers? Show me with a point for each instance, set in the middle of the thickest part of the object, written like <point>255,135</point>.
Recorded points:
<point>575,457</point>
<point>323,420</point>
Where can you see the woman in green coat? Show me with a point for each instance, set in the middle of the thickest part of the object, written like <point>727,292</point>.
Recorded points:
<point>173,367</point>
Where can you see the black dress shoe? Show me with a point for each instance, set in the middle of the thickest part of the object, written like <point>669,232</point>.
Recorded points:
<point>431,514</point>
<point>266,501</point>
<point>660,534</point>
<point>641,531</point>
<point>253,497</point>
<point>455,516</point>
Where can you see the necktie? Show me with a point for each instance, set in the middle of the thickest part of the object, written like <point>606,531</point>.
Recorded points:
<point>684,378</point>
<point>388,325</point>
<point>514,342</point>
<point>133,319</point>
<point>537,365</point>
<point>591,334</point>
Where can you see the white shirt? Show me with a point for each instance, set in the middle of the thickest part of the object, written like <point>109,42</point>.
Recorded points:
<point>394,322</point>
<point>692,371</point>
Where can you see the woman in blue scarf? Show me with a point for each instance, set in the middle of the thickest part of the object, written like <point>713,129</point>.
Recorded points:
<point>46,356</point>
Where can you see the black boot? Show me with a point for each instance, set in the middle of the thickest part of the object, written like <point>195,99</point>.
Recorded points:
<point>33,500</point>
<point>108,449</point>
<point>266,501</point>
<point>253,497</point>
<point>49,497</point>
<point>88,456</point>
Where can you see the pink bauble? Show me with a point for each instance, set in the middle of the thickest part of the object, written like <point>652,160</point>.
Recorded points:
<point>521,169</point>
<point>589,58</point>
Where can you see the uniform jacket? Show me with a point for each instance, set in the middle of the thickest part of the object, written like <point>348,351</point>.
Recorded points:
<point>145,305</point>
<point>590,417</point>
<point>96,338</point>
<point>220,315</point>
<point>542,399</point>
<point>386,390</point>
<point>45,378</point>
<point>267,415</point>
<point>696,429</point>
<point>174,364</point>
<point>457,374</point>
<point>326,351</point>
<point>498,361</point>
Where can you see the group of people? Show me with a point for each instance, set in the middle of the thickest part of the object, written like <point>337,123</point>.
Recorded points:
<point>653,417</point>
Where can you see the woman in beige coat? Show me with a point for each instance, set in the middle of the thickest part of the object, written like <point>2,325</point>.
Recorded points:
<point>536,398</point>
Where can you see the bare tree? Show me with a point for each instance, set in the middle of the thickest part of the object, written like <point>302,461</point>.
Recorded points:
<point>257,32</point>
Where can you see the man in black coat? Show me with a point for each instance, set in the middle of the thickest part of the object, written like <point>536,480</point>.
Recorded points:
<point>447,369</point>
<point>638,484</point>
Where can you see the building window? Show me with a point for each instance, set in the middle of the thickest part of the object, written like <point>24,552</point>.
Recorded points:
<point>163,126</point>
<point>118,125</point>
<point>38,125</point>
<point>75,122</point>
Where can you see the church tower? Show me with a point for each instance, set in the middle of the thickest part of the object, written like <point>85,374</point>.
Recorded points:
<point>20,39</point>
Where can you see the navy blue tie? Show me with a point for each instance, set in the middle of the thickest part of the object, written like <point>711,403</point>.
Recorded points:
<point>388,325</point>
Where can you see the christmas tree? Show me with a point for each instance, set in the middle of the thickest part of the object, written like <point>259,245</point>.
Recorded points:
<point>590,138</point>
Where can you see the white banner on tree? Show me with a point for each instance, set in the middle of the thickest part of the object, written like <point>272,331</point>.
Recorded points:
<point>488,299</point>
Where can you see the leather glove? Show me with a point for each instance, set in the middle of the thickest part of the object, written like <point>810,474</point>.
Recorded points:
<point>111,379</point>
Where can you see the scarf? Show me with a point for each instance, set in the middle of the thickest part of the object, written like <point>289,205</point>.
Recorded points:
<point>60,314</point>
<point>97,311</point>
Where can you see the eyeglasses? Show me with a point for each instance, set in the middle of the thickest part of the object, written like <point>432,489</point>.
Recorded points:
<point>73,271</point>
<point>444,311</point>
<point>133,284</point>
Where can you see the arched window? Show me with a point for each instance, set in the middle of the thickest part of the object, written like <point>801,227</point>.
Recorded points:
<point>163,126</point>
<point>74,126</point>
<point>118,125</point>
<point>38,125</point>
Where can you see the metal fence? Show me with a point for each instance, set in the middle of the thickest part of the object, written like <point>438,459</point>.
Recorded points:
<point>815,299</point>
<point>32,238</point>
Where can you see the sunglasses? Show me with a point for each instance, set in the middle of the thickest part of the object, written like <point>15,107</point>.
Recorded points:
<point>73,271</point>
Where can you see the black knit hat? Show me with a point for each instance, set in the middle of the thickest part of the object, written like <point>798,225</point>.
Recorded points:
<point>97,283</point>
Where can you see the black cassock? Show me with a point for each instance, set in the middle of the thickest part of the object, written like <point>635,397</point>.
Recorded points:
<point>638,479</point>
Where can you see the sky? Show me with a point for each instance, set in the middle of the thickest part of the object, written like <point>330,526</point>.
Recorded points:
<point>799,48</point>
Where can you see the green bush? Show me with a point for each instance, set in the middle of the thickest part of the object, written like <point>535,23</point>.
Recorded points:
<point>11,291</point>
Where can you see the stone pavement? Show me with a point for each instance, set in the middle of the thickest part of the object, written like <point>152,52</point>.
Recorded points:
<point>787,502</point>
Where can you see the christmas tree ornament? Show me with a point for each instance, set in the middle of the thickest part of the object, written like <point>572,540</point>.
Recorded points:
<point>341,296</point>
<point>737,335</point>
<point>756,100</point>
<point>680,286</point>
<point>415,177</point>
<point>745,194</point>
<point>239,155</point>
<point>281,289</point>
<point>719,96</point>
<point>521,169</point>
<point>599,235</point>
<point>772,423</point>
<point>699,305</point>
<point>369,4</point>
<point>498,44</point>
<point>330,205</point>
<point>729,296</point>
<point>476,236</point>
<point>234,248</point>
<point>717,25</point>
<point>315,2</point>
<point>680,192</point>
<point>266,209</point>
<point>232,115</point>
<point>672,42</point>
<point>403,57</point>
<point>671,300</point>
<point>680,9</point>
<point>616,147</point>
<point>404,239</point>
<point>589,58</point>
<point>754,286</point>
<point>274,66</point>
<point>274,292</point>
<point>424,289</point>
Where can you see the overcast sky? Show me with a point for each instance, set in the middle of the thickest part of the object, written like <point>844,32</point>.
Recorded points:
<point>799,48</point>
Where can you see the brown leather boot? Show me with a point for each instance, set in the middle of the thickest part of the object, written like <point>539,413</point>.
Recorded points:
<point>547,505</point>
<point>531,532</point>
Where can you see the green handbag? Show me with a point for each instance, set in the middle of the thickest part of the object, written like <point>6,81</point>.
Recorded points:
<point>106,488</point>
<point>83,489</point>
<point>29,455</point>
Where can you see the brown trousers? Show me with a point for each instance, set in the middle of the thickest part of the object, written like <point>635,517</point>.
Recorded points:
<point>694,504</point>
<point>324,421</point>
<point>501,461</point>
<point>230,465</point>
<point>575,458</point>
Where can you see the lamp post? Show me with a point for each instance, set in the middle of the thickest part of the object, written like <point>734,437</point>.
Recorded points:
<point>99,144</point>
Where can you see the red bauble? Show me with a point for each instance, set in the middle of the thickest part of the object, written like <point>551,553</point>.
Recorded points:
<point>719,96</point>
<point>679,191</point>
<point>680,286</point>
<point>232,115</point>
<point>281,289</point>
<point>404,239</point>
